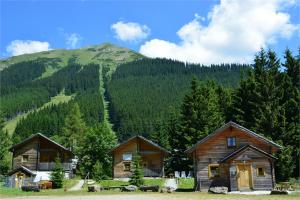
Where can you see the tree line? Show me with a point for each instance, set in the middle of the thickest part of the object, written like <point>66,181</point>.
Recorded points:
<point>266,101</point>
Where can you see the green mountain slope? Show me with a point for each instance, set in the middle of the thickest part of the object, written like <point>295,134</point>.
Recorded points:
<point>30,81</point>
<point>124,89</point>
<point>143,93</point>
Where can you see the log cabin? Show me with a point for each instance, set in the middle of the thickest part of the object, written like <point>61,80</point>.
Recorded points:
<point>234,157</point>
<point>33,159</point>
<point>152,157</point>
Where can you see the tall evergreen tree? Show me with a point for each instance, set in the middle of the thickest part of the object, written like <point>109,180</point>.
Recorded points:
<point>200,112</point>
<point>74,129</point>
<point>5,143</point>
<point>160,135</point>
<point>267,101</point>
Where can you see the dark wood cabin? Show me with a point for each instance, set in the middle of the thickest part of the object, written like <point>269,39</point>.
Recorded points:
<point>152,157</point>
<point>36,155</point>
<point>235,157</point>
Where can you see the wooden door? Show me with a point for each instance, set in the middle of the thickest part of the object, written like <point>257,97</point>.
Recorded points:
<point>244,176</point>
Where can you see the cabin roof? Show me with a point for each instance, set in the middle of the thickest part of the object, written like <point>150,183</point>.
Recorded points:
<point>243,149</point>
<point>39,135</point>
<point>21,168</point>
<point>235,125</point>
<point>142,138</point>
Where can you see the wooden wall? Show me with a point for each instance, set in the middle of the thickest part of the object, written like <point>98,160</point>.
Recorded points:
<point>215,149</point>
<point>151,156</point>
<point>29,149</point>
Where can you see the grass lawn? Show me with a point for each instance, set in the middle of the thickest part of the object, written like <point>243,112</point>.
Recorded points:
<point>155,181</point>
<point>52,194</point>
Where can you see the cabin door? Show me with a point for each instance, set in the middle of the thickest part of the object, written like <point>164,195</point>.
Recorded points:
<point>19,179</point>
<point>244,176</point>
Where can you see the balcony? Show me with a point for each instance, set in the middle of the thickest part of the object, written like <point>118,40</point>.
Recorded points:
<point>48,166</point>
<point>152,172</point>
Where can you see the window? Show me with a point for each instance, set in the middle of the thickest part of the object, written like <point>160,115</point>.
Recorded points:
<point>260,171</point>
<point>127,156</point>
<point>231,142</point>
<point>25,158</point>
<point>213,171</point>
<point>127,166</point>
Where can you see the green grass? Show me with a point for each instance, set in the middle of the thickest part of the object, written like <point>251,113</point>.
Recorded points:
<point>185,183</point>
<point>155,181</point>
<point>109,183</point>
<point>4,191</point>
<point>60,98</point>
<point>9,192</point>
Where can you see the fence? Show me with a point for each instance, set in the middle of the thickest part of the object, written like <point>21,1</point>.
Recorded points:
<point>13,182</point>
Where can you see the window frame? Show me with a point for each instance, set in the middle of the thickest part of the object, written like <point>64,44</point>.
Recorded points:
<point>127,164</point>
<point>127,153</point>
<point>209,170</point>
<point>263,170</point>
<point>25,160</point>
<point>228,142</point>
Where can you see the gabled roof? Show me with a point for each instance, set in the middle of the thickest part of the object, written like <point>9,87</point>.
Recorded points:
<point>21,168</point>
<point>142,138</point>
<point>37,136</point>
<point>237,126</point>
<point>243,149</point>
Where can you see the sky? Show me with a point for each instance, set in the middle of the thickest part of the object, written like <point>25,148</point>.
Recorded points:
<point>198,31</point>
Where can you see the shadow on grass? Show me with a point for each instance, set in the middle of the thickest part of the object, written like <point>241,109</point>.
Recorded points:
<point>185,190</point>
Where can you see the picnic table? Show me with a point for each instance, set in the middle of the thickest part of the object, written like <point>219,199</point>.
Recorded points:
<point>285,186</point>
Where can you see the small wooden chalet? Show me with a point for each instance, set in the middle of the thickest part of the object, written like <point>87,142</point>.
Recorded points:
<point>235,157</point>
<point>152,157</point>
<point>34,159</point>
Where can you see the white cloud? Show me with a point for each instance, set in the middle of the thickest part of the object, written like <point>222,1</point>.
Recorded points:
<point>72,40</point>
<point>19,47</point>
<point>236,30</point>
<point>130,31</point>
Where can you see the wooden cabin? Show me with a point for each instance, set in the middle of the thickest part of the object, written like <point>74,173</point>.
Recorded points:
<point>235,157</point>
<point>34,159</point>
<point>152,157</point>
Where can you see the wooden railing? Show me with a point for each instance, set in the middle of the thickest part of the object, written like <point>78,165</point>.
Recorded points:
<point>50,166</point>
<point>152,172</point>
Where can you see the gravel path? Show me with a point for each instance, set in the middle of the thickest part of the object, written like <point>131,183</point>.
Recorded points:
<point>102,197</point>
<point>78,186</point>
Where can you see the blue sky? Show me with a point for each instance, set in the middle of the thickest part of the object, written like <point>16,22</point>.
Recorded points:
<point>206,31</point>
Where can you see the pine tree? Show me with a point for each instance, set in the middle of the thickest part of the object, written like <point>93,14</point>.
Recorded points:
<point>291,106</point>
<point>57,175</point>
<point>5,143</point>
<point>285,164</point>
<point>160,135</point>
<point>74,128</point>
<point>200,112</point>
<point>137,175</point>
<point>98,171</point>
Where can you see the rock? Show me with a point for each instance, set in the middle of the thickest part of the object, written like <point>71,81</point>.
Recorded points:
<point>130,188</point>
<point>219,190</point>
<point>170,189</point>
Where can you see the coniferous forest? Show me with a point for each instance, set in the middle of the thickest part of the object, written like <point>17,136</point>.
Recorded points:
<point>173,103</point>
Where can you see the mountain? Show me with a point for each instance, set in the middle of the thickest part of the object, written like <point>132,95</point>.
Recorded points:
<point>109,83</point>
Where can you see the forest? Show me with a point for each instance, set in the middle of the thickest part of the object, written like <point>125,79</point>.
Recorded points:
<point>173,103</point>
